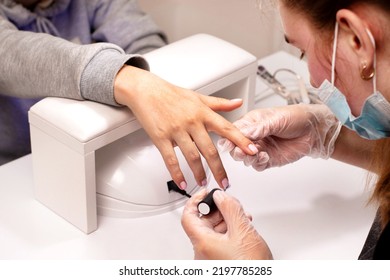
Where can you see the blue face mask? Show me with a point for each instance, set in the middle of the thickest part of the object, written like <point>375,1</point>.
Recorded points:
<point>374,121</point>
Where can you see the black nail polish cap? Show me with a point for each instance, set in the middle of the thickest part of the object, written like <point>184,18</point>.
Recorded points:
<point>207,205</point>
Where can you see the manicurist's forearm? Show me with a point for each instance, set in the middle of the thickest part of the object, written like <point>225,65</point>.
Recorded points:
<point>352,149</point>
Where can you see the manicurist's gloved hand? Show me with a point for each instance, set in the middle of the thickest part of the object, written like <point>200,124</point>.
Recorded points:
<point>285,134</point>
<point>224,234</point>
<point>173,116</point>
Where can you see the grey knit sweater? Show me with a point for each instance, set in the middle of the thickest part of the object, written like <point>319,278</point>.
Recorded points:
<point>72,49</point>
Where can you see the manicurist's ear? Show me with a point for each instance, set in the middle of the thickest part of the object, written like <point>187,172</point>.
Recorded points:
<point>354,30</point>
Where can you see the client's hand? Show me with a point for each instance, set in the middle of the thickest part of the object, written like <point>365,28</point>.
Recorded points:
<point>174,116</point>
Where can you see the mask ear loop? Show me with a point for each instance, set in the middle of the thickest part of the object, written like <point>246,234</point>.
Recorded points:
<point>336,34</point>
<point>373,43</point>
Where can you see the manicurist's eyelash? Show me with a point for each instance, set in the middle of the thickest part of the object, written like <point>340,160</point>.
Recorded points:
<point>302,56</point>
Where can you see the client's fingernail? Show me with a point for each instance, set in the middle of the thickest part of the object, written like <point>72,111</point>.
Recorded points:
<point>183,185</point>
<point>253,148</point>
<point>225,183</point>
<point>204,183</point>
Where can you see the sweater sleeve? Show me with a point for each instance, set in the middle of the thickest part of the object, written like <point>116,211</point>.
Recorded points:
<point>135,31</point>
<point>40,65</point>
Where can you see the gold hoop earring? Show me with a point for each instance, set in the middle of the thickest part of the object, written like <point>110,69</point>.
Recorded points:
<point>366,77</point>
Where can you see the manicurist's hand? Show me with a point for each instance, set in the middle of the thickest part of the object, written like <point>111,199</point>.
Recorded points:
<point>285,134</point>
<point>224,234</point>
<point>174,116</point>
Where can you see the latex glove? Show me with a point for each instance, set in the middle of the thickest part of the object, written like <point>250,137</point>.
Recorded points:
<point>285,134</point>
<point>224,234</point>
<point>175,116</point>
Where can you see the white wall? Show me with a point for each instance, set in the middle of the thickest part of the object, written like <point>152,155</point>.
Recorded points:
<point>241,22</point>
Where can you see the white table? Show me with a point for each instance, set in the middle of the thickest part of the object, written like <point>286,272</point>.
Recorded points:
<point>312,209</point>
